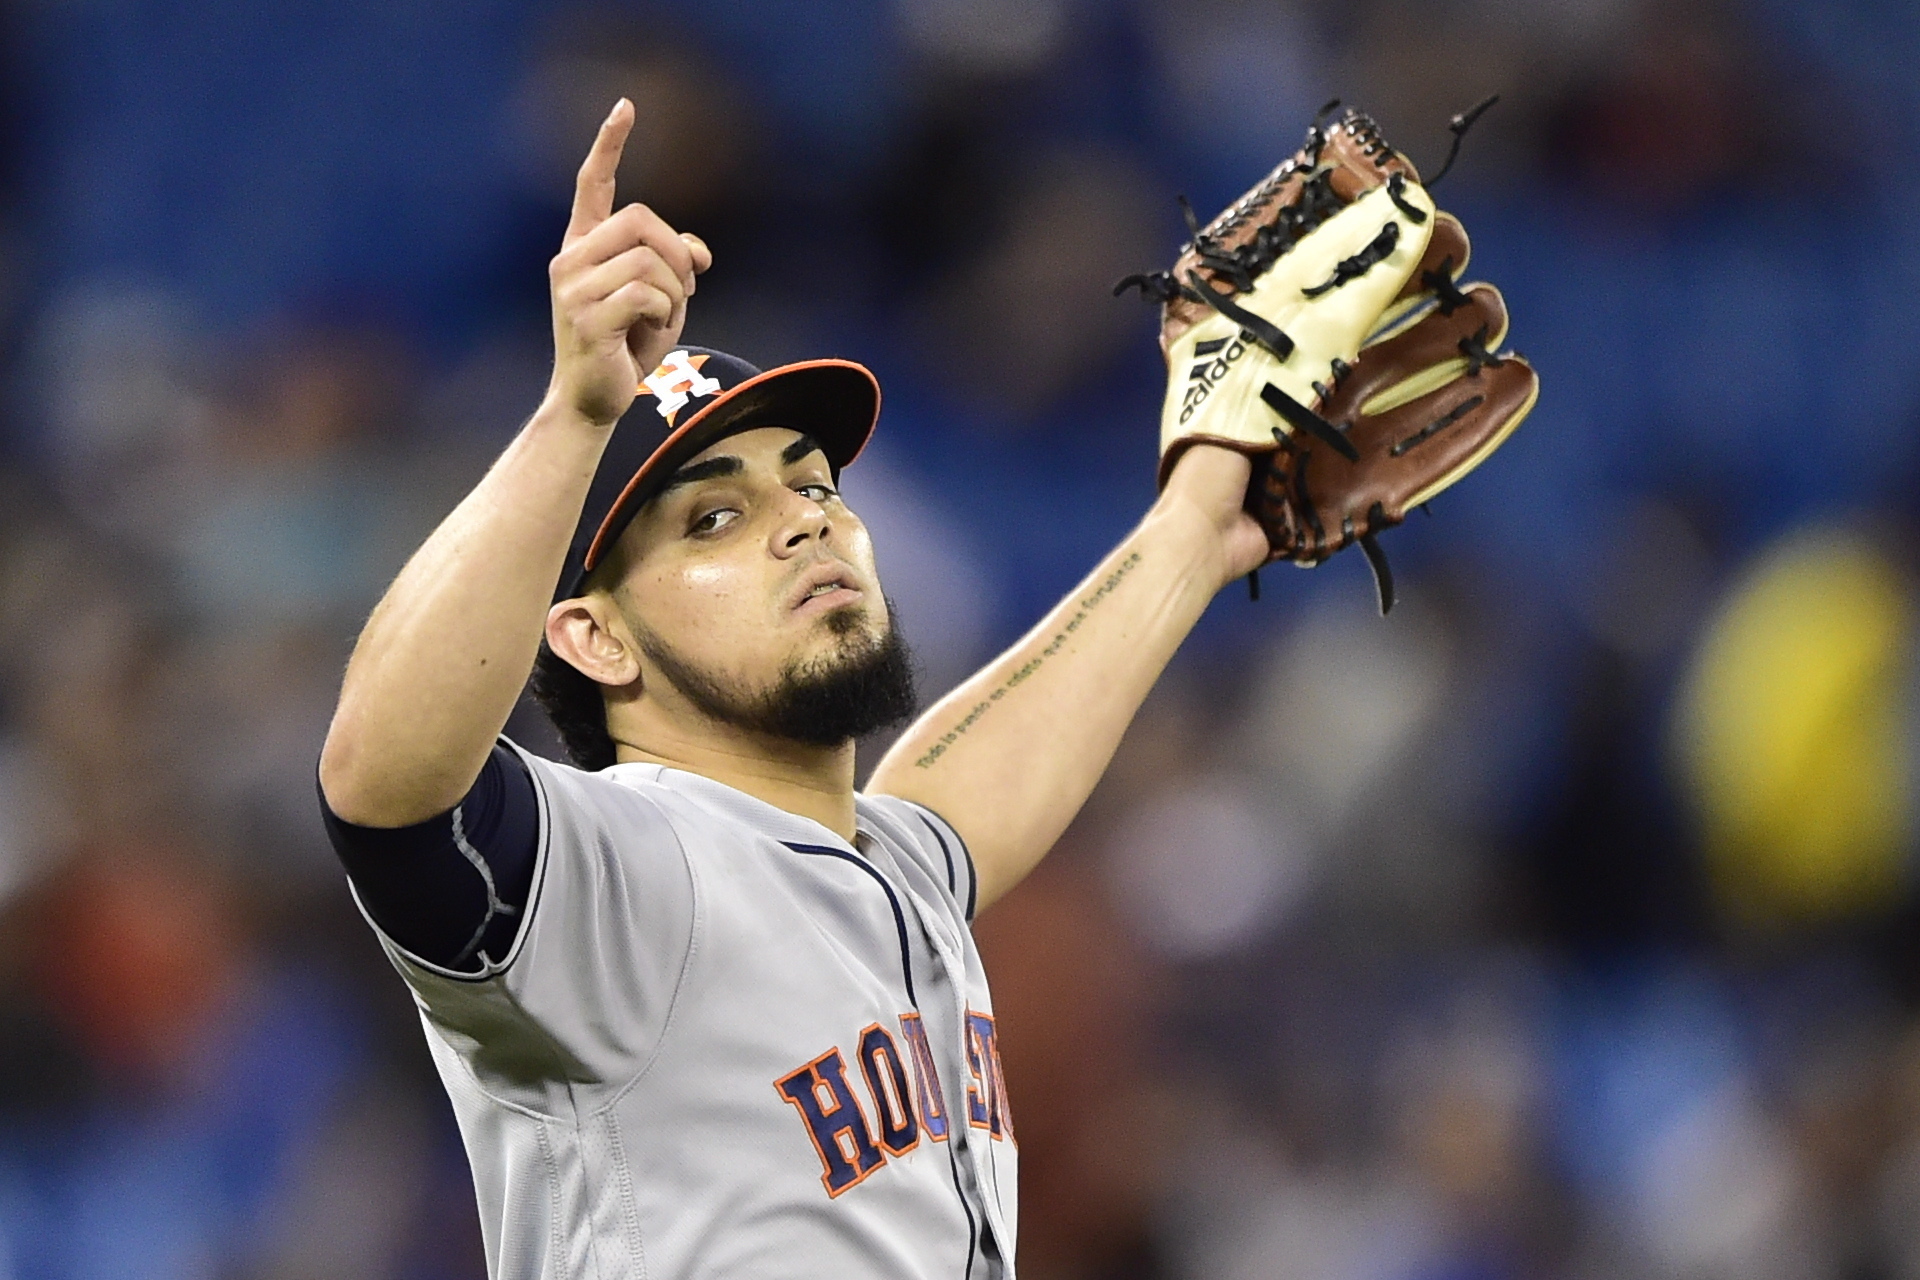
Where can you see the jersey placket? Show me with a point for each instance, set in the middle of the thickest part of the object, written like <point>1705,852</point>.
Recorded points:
<point>982,1174</point>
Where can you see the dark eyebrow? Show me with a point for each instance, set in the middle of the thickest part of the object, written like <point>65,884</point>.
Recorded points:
<point>728,465</point>
<point>799,449</point>
<point>724,465</point>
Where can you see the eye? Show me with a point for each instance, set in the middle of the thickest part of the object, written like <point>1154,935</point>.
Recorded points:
<point>816,492</point>
<point>713,521</point>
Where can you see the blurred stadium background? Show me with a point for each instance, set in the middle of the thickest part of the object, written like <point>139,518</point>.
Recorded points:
<point>1563,925</point>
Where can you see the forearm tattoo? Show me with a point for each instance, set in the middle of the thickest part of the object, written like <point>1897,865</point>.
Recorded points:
<point>1026,669</point>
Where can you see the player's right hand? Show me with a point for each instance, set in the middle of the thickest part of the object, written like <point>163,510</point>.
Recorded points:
<point>620,286</point>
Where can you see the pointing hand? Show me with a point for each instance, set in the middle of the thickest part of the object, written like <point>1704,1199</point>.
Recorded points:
<point>620,286</point>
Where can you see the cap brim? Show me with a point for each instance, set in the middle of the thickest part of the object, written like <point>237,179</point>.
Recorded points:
<point>837,402</point>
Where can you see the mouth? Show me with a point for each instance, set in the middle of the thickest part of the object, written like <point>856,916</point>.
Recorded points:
<point>825,588</point>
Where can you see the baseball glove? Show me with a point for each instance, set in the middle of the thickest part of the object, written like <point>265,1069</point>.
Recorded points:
<point>1319,325</point>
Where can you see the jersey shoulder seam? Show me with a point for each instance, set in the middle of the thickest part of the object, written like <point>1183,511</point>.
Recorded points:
<point>696,917</point>
<point>568,1084</point>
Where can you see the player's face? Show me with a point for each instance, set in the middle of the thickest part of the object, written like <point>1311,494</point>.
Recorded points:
<point>750,568</point>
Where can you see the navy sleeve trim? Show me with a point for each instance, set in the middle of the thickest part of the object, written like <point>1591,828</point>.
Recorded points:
<point>946,850</point>
<point>973,876</point>
<point>453,890</point>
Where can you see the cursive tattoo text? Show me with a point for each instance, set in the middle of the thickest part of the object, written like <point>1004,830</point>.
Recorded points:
<point>1026,669</point>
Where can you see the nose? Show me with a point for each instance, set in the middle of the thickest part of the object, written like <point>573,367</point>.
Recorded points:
<point>802,521</point>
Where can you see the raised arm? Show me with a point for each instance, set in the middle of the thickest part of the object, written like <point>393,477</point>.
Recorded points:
<point>1009,757</point>
<point>440,663</point>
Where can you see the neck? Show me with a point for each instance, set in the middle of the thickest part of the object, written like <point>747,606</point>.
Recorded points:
<point>813,782</point>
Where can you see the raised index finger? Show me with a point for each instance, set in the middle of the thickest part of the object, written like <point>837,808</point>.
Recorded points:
<point>593,192</point>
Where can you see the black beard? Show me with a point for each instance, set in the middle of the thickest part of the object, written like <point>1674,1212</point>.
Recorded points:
<point>865,686</point>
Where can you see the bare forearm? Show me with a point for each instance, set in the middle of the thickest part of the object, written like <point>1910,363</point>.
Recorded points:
<point>439,665</point>
<point>1011,755</point>
<point>443,658</point>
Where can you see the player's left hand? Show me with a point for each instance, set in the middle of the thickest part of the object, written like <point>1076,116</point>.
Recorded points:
<point>1212,482</point>
<point>1319,324</point>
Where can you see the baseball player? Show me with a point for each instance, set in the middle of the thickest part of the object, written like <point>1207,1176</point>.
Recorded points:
<point>702,1009</point>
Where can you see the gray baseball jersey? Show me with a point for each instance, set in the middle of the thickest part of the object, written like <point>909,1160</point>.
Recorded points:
<point>726,1042</point>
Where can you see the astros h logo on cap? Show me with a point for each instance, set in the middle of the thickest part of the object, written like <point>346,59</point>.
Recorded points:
<point>677,380</point>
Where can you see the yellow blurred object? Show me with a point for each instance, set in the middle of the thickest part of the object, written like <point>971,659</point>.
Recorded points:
<point>1792,734</point>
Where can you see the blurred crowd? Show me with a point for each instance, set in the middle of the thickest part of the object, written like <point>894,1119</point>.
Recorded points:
<point>1563,925</point>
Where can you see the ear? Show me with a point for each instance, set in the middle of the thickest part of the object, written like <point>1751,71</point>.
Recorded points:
<point>589,634</point>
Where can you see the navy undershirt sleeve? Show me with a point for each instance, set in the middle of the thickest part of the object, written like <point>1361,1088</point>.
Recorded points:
<point>455,887</point>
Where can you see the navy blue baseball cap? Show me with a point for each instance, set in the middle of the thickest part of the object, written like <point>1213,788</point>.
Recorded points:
<point>698,396</point>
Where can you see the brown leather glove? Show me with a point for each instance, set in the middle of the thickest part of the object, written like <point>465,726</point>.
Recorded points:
<point>1318,325</point>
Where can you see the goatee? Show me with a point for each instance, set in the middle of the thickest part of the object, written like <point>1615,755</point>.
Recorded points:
<point>864,686</point>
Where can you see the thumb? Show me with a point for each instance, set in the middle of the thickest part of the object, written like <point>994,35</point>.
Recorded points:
<point>702,256</point>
